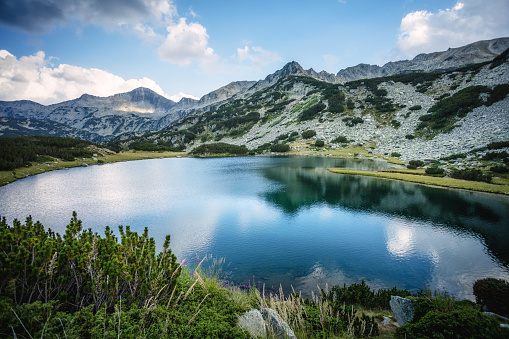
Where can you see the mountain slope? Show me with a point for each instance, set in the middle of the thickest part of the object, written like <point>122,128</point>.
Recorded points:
<point>137,110</point>
<point>13,127</point>
<point>406,114</point>
<point>254,111</point>
<point>476,52</point>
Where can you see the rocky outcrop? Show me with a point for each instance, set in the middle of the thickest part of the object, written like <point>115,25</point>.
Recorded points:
<point>222,93</point>
<point>253,323</point>
<point>265,324</point>
<point>403,309</point>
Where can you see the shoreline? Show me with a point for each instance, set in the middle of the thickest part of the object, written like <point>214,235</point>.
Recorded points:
<point>7,177</point>
<point>429,180</point>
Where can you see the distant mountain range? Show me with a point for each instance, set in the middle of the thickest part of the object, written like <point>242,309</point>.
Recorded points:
<point>142,110</point>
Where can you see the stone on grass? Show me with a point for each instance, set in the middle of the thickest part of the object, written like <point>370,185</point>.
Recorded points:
<point>253,323</point>
<point>403,309</point>
<point>278,327</point>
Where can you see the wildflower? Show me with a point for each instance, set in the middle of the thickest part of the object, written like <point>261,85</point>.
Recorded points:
<point>322,320</point>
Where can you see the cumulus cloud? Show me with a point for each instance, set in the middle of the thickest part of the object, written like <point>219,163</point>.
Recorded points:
<point>185,43</point>
<point>37,16</point>
<point>257,56</point>
<point>468,21</point>
<point>33,78</point>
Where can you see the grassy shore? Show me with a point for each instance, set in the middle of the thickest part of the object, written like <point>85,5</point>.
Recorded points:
<point>37,168</point>
<point>498,187</point>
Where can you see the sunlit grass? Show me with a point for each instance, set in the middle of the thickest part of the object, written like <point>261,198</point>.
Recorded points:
<point>429,180</point>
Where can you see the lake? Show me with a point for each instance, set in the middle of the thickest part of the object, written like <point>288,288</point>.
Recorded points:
<point>284,220</point>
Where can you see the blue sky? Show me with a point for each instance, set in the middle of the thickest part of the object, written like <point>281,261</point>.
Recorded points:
<point>55,50</point>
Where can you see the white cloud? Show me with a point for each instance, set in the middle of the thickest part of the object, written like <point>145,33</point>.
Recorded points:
<point>181,95</point>
<point>468,21</point>
<point>257,56</point>
<point>37,16</point>
<point>33,78</point>
<point>186,43</point>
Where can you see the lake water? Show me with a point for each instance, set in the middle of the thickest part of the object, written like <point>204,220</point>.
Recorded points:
<point>284,220</point>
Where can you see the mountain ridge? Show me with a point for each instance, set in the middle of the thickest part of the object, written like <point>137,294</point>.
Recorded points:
<point>141,110</point>
<point>476,52</point>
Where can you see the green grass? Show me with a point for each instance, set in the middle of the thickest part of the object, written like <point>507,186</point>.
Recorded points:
<point>429,180</point>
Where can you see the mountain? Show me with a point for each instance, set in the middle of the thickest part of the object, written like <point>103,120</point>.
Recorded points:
<point>13,127</point>
<point>357,105</point>
<point>476,52</point>
<point>101,117</point>
<point>412,115</point>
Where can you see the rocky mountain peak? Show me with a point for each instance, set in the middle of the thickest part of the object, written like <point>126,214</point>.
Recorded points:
<point>292,68</point>
<point>146,96</point>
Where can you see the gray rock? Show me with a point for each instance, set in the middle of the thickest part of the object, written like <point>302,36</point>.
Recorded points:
<point>277,325</point>
<point>253,323</point>
<point>403,309</point>
<point>386,321</point>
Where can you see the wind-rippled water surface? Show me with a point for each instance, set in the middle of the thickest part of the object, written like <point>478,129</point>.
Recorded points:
<point>284,220</point>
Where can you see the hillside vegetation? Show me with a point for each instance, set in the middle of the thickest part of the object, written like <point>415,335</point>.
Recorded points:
<point>416,115</point>
<point>21,151</point>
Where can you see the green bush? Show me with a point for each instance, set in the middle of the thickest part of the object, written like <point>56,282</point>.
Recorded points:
<point>280,148</point>
<point>362,295</point>
<point>220,148</point>
<point>311,112</point>
<point>416,163</point>
<point>319,143</point>
<point>415,108</point>
<point>395,154</point>
<point>411,167</point>
<point>410,136</point>
<point>42,265</point>
<point>434,170</point>
<point>341,140</point>
<point>472,174</point>
<point>499,169</point>
<point>495,155</point>
<point>351,122</point>
<point>494,294</point>
<point>498,144</point>
<point>395,123</point>
<point>464,322</point>
<point>455,156</point>
<point>308,134</point>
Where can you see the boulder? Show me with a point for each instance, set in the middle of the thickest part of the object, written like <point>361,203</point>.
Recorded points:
<point>265,324</point>
<point>253,323</point>
<point>277,325</point>
<point>403,309</point>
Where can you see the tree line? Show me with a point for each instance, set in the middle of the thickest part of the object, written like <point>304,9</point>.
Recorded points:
<point>21,151</point>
